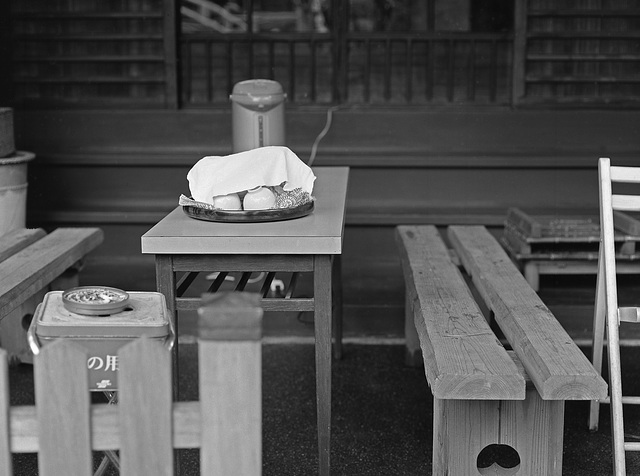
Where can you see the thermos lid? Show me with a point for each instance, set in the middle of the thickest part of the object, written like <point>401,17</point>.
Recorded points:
<point>258,93</point>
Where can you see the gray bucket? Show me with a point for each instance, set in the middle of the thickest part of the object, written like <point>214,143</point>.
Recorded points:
<point>13,191</point>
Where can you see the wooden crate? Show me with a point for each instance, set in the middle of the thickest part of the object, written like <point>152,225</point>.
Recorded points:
<point>566,242</point>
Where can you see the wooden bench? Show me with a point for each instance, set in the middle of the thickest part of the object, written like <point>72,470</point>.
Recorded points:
<point>483,394</point>
<point>33,262</point>
<point>225,424</point>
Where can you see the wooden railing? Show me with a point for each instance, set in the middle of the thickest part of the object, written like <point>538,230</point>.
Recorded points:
<point>146,424</point>
<point>382,68</point>
<point>577,52</point>
<point>562,52</point>
<point>68,54</point>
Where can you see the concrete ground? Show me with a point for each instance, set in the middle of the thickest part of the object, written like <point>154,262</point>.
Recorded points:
<point>382,410</point>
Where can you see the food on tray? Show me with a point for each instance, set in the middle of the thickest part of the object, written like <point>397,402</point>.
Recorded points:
<point>95,295</point>
<point>270,183</point>
<point>292,198</point>
<point>259,198</point>
<point>230,201</point>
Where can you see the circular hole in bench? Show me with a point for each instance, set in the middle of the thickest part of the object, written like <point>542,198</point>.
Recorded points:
<point>499,460</point>
<point>26,321</point>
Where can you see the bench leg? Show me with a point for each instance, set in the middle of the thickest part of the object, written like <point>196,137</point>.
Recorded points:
<point>597,348</point>
<point>533,427</point>
<point>14,326</point>
<point>413,353</point>
<point>532,275</point>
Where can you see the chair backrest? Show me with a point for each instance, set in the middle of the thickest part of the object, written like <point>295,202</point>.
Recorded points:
<point>610,203</point>
<point>146,424</point>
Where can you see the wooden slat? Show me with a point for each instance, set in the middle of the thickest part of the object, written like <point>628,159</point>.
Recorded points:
<point>230,384</point>
<point>629,203</point>
<point>145,403</point>
<point>291,288</point>
<point>215,285</point>
<point>555,364</point>
<point>105,433</point>
<point>242,282</point>
<point>268,304</point>
<point>16,240</point>
<point>6,465</point>
<point>266,286</point>
<point>230,263</point>
<point>524,222</point>
<point>462,356</point>
<point>626,224</point>
<point>91,59</point>
<point>34,267</point>
<point>583,12</point>
<point>184,282</point>
<point>170,42</point>
<point>625,174</point>
<point>62,395</point>
<point>518,87</point>
<point>91,80</point>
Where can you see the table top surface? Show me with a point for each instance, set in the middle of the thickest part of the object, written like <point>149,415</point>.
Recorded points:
<point>317,233</point>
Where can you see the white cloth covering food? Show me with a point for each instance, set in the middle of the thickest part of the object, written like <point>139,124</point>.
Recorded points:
<point>271,166</point>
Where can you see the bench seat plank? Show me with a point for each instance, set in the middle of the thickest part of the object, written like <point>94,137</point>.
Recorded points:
<point>34,267</point>
<point>16,240</point>
<point>463,357</point>
<point>555,364</point>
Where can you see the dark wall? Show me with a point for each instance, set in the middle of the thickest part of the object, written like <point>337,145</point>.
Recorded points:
<point>124,170</point>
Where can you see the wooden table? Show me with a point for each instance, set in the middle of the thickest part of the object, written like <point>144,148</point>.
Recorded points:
<point>313,244</point>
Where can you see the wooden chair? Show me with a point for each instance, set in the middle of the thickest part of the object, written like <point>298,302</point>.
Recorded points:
<point>64,428</point>
<point>607,310</point>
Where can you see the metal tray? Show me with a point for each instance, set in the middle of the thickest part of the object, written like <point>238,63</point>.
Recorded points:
<point>248,216</point>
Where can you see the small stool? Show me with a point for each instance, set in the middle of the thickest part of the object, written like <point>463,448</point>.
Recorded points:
<point>146,314</point>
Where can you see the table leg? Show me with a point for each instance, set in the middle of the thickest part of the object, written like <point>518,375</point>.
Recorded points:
<point>166,284</point>
<point>336,285</point>
<point>322,328</point>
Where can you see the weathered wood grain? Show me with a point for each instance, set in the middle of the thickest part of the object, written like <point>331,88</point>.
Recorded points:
<point>463,358</point>
<point>16,240</point>
<point>145,404</point>
<point>555,364</point>
<point>62,393</point>
<point>6,465</point>
<point>230,384</point>
<point>34,267</point>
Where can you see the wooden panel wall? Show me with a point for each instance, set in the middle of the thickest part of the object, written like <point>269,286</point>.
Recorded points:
<point>125,170</point>
<point>104,53</point>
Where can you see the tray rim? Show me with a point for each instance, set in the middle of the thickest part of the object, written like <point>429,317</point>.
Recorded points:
<point>248,216</point>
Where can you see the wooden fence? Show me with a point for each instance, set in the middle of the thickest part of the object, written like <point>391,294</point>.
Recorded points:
<point>64,428</point>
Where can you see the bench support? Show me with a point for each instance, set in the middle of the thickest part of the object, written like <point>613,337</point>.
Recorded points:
<point>14,326</point>
<point>532,427</point>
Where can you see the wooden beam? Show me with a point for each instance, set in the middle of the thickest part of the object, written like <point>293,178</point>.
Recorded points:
<point>462,356</point>
<point>555,364</point>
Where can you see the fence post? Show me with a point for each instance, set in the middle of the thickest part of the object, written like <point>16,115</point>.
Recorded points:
<point>518,85</point>
<point>230,383</point>
<point>171,15</point>
<point>6,465</point>
<point>63,409</point>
